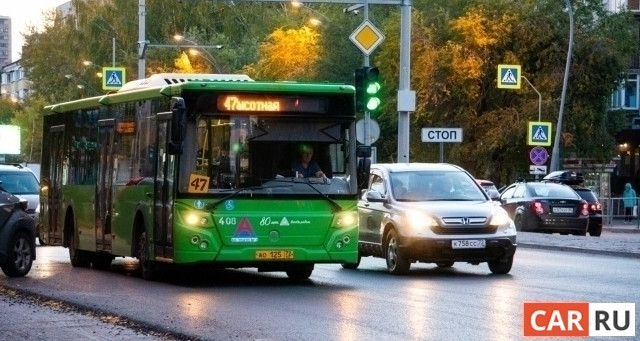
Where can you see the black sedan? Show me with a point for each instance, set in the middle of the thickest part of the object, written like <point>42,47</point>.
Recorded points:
<point>546,207</point>
<point>17,236</point>
<point>576,181</point>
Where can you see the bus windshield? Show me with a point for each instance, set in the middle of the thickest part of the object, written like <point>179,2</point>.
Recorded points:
<point>249,151</point>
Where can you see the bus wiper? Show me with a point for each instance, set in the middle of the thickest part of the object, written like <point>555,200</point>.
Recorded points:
<point>236,192</point>
<point>335,205</point>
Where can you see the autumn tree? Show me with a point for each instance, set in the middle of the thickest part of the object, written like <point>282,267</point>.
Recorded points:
<point>288,54</point>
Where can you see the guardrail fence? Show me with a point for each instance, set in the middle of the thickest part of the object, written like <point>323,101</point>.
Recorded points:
<point>613,212</point>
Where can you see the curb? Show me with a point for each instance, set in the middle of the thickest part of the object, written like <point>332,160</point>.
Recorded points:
<point>580,250</point>
<point>621,230</point>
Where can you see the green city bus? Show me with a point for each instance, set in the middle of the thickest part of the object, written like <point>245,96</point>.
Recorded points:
<point>195,169</point>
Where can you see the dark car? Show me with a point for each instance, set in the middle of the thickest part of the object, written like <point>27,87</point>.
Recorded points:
<point>576,181</point>
<point>539,206</point>
<point>23,183</point>
<point>17,235</point>
<point>432,213</point>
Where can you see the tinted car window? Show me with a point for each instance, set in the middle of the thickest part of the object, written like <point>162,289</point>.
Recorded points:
<point>549,190</point>
<point>520,191</point>
<point>508,193</point>
<point>435,186</point>
<point>377,183</point>
<point>19,183</point>
<point>586,194</point>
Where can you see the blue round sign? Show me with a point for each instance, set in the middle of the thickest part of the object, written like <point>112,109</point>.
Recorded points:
<point>539,156</point>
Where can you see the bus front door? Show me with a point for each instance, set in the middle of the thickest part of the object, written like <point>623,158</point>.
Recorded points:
<point>52,227</point>
<point>163,192</point>
<point>106,137</point>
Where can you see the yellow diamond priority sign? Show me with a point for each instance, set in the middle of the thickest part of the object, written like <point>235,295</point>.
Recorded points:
<point>367,37</point>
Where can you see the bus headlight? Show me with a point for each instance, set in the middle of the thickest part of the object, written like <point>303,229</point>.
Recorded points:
<point>195,219</point>
<point>345,219</point>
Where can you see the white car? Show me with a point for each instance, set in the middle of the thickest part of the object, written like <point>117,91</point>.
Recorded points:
<point>432,213</point>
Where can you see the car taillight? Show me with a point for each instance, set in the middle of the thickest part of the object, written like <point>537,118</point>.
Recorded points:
<point>595,207</point>
<point>585,209</point>
<point>537,207</point>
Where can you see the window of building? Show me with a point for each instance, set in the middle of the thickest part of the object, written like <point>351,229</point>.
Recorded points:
<point>626,96</point>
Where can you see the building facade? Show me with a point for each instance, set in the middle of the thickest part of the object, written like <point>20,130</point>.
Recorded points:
<point>5,40</point>
<point>14,85</point>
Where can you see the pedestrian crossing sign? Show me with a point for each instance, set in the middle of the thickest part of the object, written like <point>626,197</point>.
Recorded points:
<point>113,78</point>
<point>539,134</point>
<point>508,76</point>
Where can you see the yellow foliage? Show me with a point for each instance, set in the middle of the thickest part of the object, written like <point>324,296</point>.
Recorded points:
<point>479,35</point>
<point>289,54</point>
<point>183,64</point>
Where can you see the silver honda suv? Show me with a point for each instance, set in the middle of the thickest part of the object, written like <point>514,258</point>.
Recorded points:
<point>432,213</point>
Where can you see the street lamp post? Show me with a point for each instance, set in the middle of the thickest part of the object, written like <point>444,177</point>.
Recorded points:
<point>89,63</point>
<point>210,58</point>
<point>84,84</point>
<point>555,153</point>
<point>312,21</point>
<point>195,52</point>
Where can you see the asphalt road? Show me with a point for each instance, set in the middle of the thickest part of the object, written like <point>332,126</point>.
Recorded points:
<point>26,317</point>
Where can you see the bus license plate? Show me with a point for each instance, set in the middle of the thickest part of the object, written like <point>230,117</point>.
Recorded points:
<point>274,254</point>
<point>468,244</point>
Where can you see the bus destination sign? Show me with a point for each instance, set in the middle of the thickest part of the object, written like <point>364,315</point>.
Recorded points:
<point>271,103</point>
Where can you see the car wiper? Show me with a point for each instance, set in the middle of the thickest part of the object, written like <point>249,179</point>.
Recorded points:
<point>306,181</point>
<point>238,191</point>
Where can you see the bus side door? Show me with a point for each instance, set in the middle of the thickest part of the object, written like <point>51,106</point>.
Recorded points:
<point>104,185</point>
<point>52,226</point>
<point>163,190</point>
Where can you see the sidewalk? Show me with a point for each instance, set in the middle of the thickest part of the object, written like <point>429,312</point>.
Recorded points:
<point>617,225</point>
<point>617,239</point>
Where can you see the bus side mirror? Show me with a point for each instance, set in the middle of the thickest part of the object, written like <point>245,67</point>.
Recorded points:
<point>178,125</point>
<point>363,151</point>
<point>364,167</point>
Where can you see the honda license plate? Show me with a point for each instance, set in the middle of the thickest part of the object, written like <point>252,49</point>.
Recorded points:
<point>469,244</point>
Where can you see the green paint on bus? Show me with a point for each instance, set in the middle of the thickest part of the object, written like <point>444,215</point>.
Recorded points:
<point>197,170</point>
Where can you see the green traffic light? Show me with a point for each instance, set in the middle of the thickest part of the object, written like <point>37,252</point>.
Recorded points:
<point>373,88</point>
<point>373,103</point>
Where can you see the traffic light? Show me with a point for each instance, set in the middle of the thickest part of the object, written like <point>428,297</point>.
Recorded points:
<point>372,87</point>
<point>367,89</point>
<point>359,77</point>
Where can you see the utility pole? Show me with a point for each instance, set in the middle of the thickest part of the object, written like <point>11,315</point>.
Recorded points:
<point>142,42</point>
<point>555,153</point>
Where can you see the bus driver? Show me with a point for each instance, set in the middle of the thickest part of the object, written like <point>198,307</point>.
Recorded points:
<point>305,167</point>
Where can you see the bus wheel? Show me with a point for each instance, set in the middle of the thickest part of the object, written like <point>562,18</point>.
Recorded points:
<point>352,266</point>
<point>147,267</point>
<point>300,273</point>
<point>79,258</point>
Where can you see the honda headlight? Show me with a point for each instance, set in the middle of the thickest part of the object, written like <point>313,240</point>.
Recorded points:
<point>418,220</point>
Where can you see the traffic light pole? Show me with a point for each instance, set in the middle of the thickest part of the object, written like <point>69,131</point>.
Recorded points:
<point>367,113</point>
